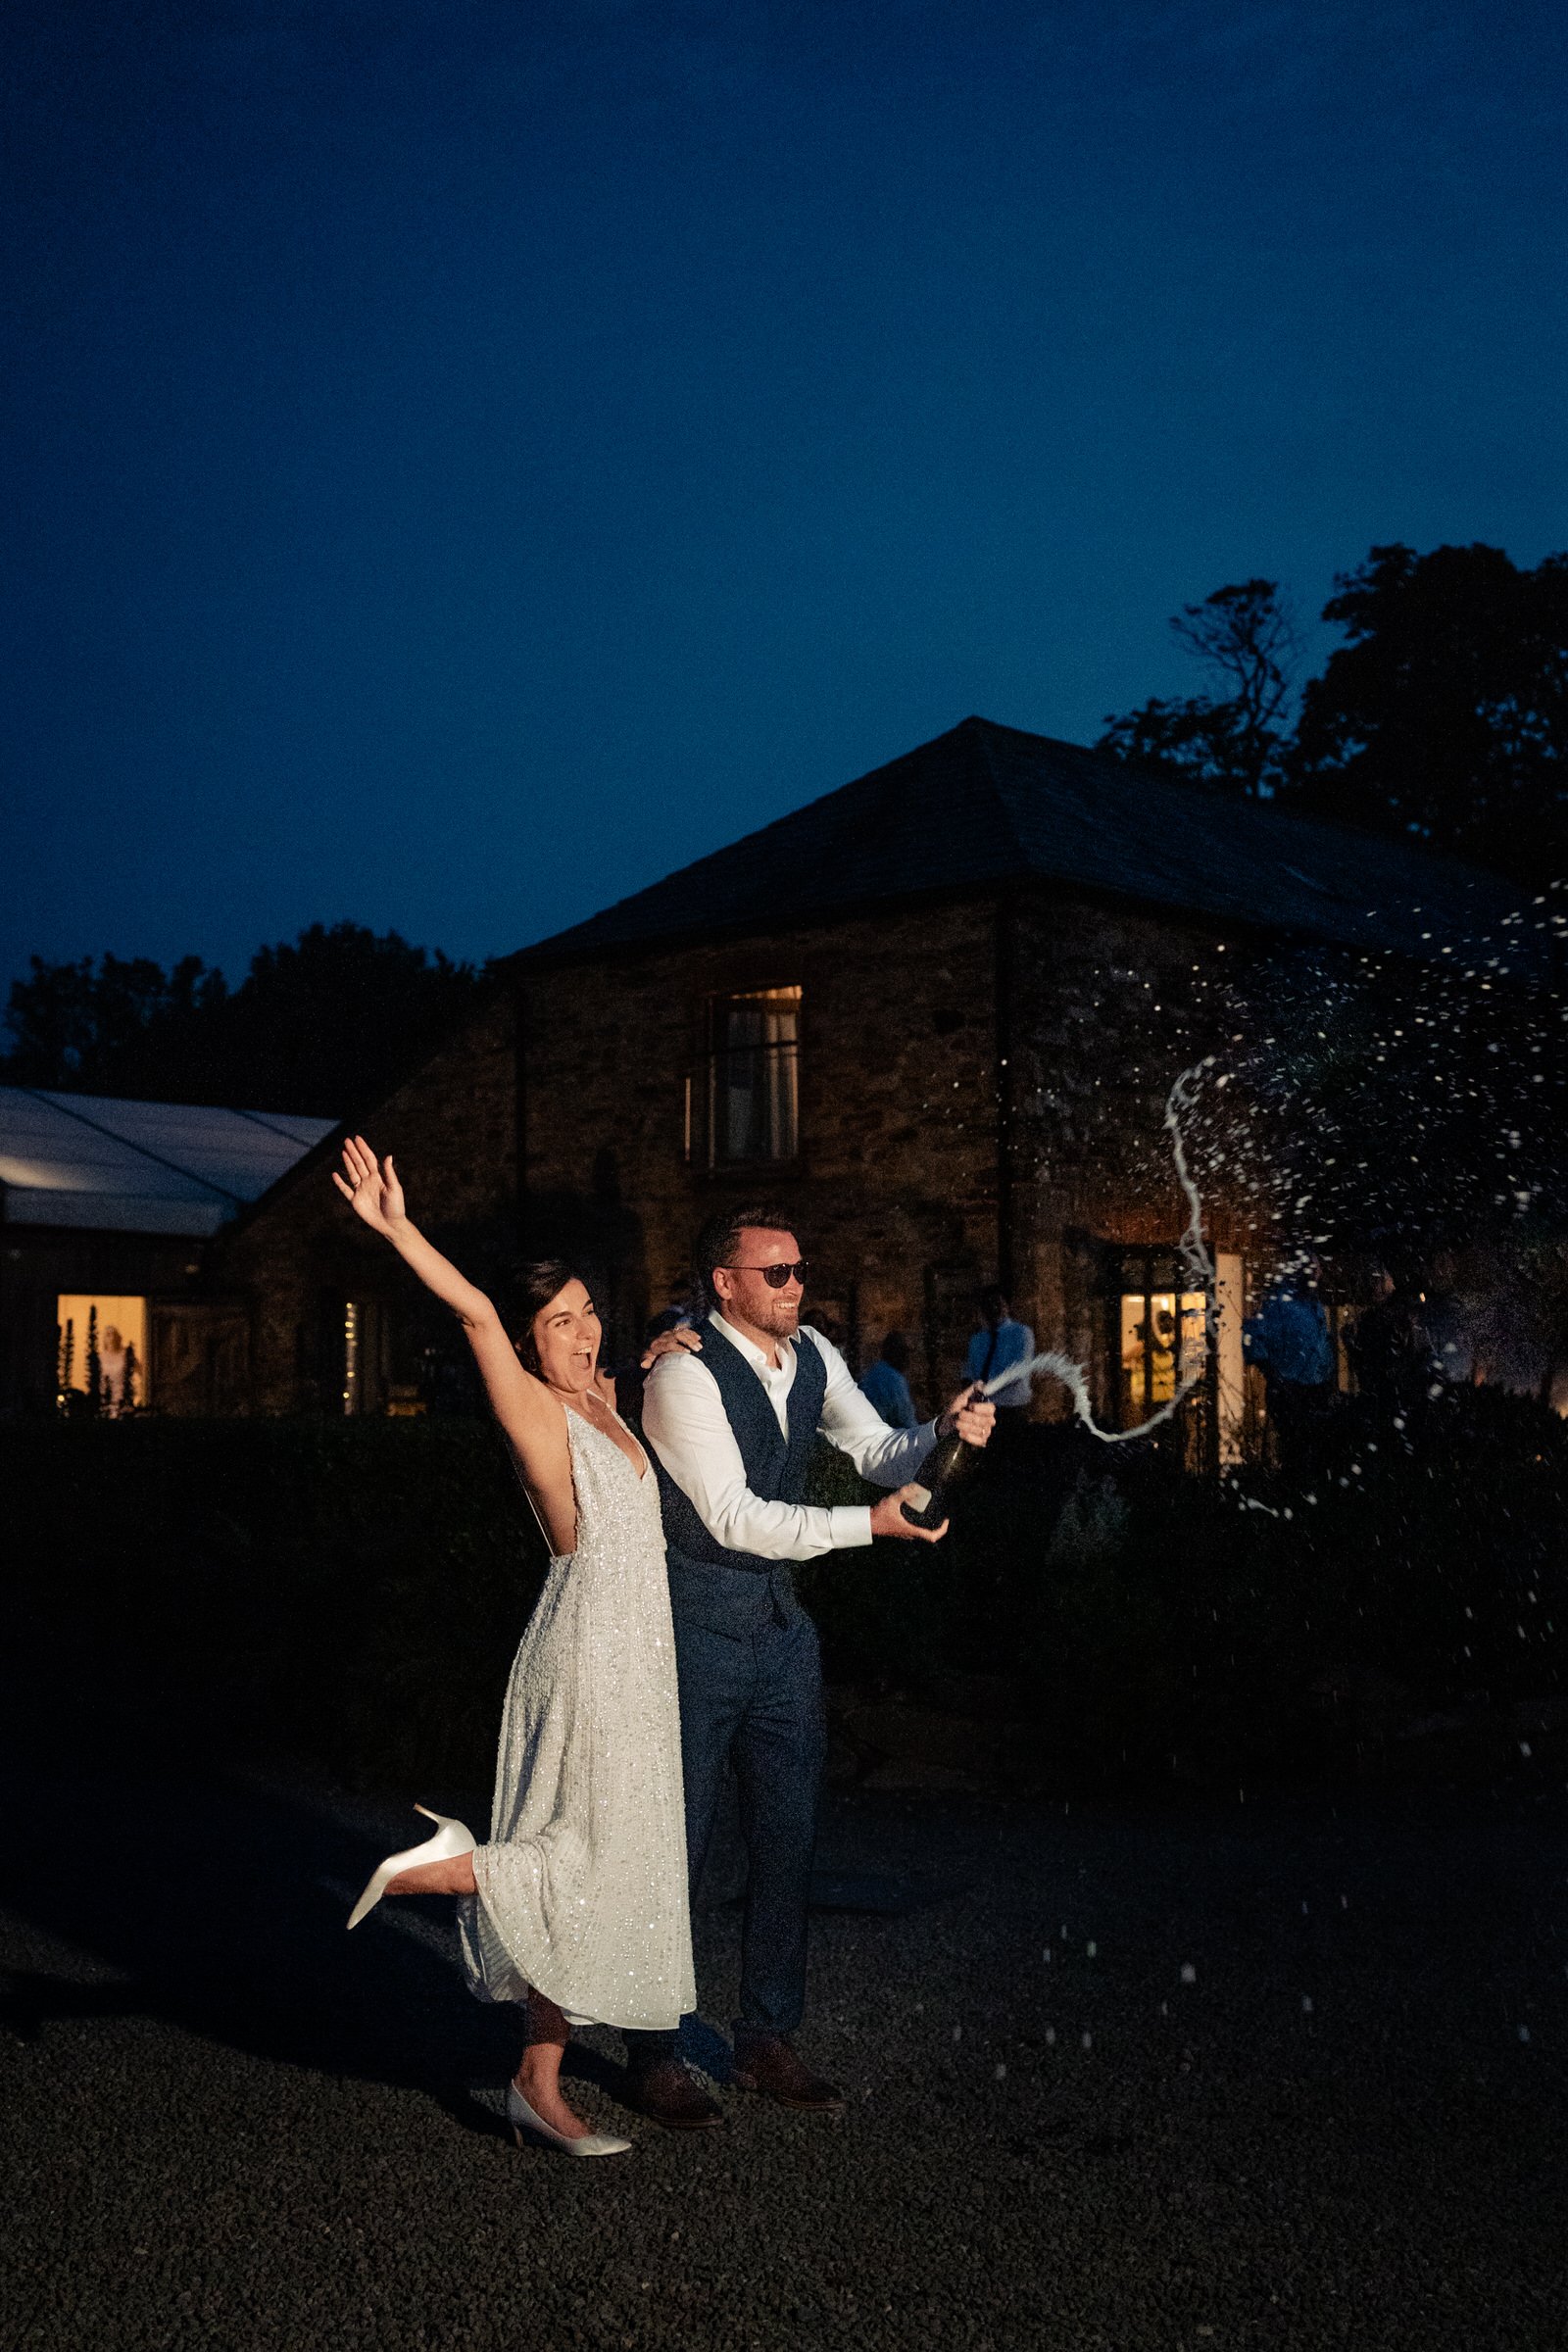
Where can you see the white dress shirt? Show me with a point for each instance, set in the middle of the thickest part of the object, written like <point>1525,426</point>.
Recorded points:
<point>686,1424</point>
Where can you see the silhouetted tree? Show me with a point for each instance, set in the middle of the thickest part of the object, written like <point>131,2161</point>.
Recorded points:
<point>1231,740</point>
<point>1446,711</point>
<point>334,1020</point>
<point>110,1025</point>
<point>321,1025</point>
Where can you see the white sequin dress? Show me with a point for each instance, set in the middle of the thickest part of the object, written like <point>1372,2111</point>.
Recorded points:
<point>582,1886</point>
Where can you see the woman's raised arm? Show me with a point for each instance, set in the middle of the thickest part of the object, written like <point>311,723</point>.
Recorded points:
<point>522,1404</point>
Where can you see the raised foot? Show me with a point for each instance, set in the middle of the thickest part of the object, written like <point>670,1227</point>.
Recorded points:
<point>454,1875</point>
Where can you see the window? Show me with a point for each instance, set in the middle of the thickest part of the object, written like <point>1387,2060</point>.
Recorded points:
<point>753,1076</point>
<point>100,1352</point>
<point>1161,1341</point>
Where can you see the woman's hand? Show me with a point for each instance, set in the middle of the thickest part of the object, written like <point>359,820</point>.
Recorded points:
<point>371,1189</point>
<point>679,1342</point>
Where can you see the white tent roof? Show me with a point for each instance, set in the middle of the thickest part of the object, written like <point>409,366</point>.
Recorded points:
<point>139,1167</point>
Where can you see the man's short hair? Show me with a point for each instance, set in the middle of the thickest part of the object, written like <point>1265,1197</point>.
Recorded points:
<point>993,1299</point>
<point>719,1239</point>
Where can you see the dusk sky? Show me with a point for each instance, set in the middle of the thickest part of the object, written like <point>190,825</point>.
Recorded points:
<point>465,458</point>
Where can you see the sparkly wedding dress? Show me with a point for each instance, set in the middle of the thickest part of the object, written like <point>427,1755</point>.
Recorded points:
<point>582,1886</point>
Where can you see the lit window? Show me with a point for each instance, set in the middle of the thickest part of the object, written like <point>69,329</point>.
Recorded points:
<point>753,1076</point>
<point>1160,1338</point>
<point>100,1352</point>
<point>1161,1341</point>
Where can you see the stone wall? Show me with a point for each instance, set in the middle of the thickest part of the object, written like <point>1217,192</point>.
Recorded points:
<point>894,1194</point>
<point>1109,1004</point>
<point>979,1082</point>
<point>301,1254</point>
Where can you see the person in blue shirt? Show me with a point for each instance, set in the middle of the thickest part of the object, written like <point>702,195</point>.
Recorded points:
<point>1289,1340</point>
<point>887,1383</point>
<point>1000,1343</point>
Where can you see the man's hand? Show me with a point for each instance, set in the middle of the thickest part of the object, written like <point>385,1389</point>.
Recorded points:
<point>973,1417</point>
<point>682,1340</point>
<point>887,1518</point>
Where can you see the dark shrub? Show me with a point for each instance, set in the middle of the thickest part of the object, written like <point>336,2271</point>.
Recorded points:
<point>353,1591</point>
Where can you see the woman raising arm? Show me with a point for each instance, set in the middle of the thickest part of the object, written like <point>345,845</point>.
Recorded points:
<point>564,1339</point>
<point>577,1903</point>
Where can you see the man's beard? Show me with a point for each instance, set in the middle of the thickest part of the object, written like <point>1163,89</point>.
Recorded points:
<point>781,1318</point>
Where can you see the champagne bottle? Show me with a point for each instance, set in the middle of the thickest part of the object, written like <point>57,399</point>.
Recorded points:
<point>950,1460</point>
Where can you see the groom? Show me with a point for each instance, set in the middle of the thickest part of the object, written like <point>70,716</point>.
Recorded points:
<point>730,1420</point>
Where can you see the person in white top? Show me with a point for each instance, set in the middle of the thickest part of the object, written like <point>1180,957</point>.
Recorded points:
<point>575,1905</point>
<point>730,1420</point>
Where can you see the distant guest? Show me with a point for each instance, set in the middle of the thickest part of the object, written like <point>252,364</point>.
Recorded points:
<point>998,1343</point>
<point>887,1383</point>
<point>1289,1342</point>
<point>111,1370</point>
<point>1389,1348</point>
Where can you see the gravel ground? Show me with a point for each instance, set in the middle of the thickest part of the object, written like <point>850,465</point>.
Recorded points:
<point>1286,2071</point>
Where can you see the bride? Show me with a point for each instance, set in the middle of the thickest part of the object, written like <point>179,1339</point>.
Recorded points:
<point>577,1905</point>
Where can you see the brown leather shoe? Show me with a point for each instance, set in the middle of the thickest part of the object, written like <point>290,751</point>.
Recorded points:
<point>769,2065</point>
<point>670,2094</point>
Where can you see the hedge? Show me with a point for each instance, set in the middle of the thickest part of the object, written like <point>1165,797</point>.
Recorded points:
<point>353,1592</point>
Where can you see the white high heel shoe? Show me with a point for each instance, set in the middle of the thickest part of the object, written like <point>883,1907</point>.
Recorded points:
<point>450,1840</point>
<point>522,2119</point>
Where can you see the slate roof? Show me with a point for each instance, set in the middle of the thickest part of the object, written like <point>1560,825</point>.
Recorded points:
<point>985,805</point>
<point>139,1167</point>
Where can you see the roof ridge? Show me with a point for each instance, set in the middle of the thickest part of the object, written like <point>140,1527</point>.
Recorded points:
<point>1020,807</point>
<point>986,728</point>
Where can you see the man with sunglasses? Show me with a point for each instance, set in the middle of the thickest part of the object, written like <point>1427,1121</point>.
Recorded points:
<point>730,1418</point>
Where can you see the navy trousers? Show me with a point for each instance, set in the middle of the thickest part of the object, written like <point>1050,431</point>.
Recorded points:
<point>754,1700</point>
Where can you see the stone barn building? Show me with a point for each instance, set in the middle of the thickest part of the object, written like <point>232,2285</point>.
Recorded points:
<point>934,1015</point>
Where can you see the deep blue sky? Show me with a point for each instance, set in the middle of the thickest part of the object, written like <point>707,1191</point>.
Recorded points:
<point>465,458</point>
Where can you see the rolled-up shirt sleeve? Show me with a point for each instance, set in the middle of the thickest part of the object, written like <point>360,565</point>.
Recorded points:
<point>686,1424</point>
<point>888,1458</point>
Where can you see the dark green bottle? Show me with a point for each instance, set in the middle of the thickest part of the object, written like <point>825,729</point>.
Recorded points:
<point>950,1462</point>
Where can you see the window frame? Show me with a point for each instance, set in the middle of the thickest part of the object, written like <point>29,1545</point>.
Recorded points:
<point>706,1113</point>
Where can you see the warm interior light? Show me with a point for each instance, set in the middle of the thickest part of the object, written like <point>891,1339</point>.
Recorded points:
<point>116,1316</point>
<point>1161,1336</point>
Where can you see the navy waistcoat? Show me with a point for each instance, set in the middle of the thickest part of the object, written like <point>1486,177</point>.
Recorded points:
<point>710,1584</point>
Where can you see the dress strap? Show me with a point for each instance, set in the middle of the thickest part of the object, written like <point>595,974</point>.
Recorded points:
<point>608,1440</point>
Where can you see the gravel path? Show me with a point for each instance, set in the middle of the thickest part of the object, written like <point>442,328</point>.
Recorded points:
<point>1281,2071</point>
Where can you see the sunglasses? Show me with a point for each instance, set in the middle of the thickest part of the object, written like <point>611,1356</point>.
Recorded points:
<point>776,1277</point>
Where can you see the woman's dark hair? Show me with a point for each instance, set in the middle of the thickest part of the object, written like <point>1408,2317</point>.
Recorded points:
<point>534,1283</point>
